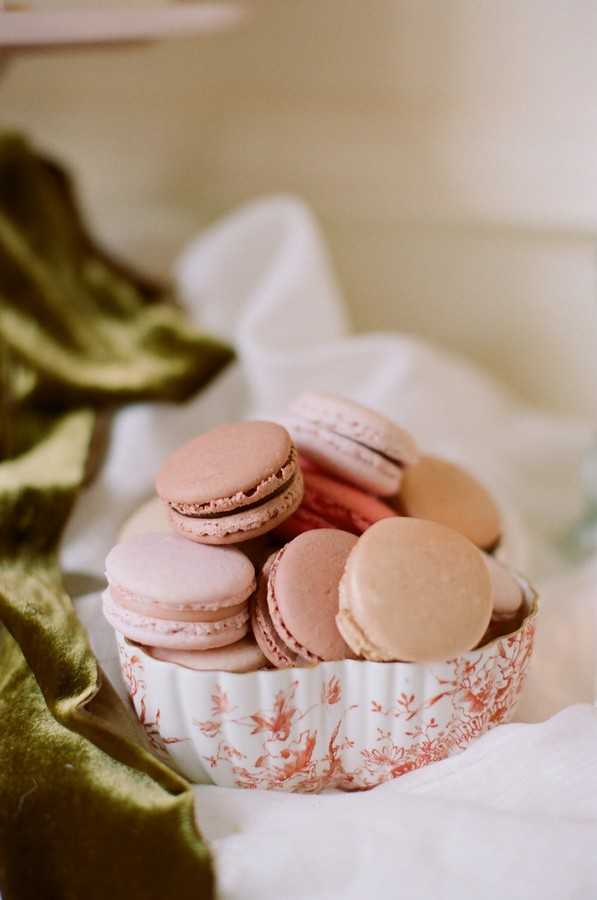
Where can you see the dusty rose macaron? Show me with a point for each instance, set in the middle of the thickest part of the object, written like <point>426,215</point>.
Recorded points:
<point>242,656</point>
<point>414,591</point>
<point>329,503</point>
<point>266,636</point>
<point>351,441</point>
<point>294,616</point>
<point>440,491</point>
<point>233,483</point>
<point>166,592</point>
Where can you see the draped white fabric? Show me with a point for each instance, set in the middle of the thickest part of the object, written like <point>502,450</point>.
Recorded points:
<point>516,814</point>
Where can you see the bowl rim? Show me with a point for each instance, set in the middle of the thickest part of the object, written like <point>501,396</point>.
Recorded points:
<point>531,600</point>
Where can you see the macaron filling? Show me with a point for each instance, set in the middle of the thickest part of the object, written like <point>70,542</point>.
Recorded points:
<point>245,523</point>
<point>207,612</point>
<point>206,511</point>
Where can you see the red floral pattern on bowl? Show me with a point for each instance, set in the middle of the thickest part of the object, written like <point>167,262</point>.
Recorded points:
<point>350,724</point>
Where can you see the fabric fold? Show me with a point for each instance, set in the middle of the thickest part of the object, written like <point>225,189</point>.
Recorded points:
<point>86,809</point>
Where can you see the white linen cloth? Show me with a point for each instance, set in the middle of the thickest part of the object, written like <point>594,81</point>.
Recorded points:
<point>516,814</point>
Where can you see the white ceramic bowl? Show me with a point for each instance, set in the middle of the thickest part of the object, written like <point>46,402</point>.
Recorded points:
<point>349,724</point>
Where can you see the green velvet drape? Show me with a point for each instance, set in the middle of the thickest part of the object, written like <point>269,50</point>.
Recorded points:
<point>85,810</point>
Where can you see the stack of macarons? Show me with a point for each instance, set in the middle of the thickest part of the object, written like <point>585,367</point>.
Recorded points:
<point>327,536</point>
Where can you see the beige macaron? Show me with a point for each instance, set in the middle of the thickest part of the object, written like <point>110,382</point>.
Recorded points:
<point>415,591</point>
<point>440,491</point>
<point>507,595</point>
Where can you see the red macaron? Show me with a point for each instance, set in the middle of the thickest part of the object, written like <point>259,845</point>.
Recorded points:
<point>330,503</point>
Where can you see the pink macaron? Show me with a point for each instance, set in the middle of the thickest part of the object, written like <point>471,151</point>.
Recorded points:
<point>294,617</point>
<point>232,484</point>
<point>329,503</point>
<point>164,591</point>
<point>351,441</point>
<point>266,636</point>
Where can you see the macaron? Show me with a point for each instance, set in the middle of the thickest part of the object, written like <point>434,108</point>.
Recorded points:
<point>233,483</point>
<point>266,636</point>
<point>242,656</point>
<point>294,618</point>
<point>414,591</point>
<point>507,595</point>
<point>164,591</point>
<point>351,441</point>
<point>151,516</point>
<point>443,492</point>
<point>329,503</point>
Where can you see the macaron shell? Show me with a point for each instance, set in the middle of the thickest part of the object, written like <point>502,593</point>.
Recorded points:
<point>440,491</point>
<point>507,594</point>
<point>273,648</point>
<point>177,574</point>
<point>176,635</point>
<point>345,458</point>
<point>360,423</point>
<point>236,463</point>
<point>414,591</point>
<point>212,612</point>
<point>245,524</point>
<point>303,593</point>
<point>242,656</point>
<point>345,507</point>
<point>265,489</point>
<point>300,521</point>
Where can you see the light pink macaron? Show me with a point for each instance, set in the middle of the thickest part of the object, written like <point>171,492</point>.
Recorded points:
<point>164,591</point>
<point>294,618</point>
<point>351,441</point>
<point>233,483</point>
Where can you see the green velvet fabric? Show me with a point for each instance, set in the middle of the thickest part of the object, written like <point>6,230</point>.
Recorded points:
<point>86,811</point>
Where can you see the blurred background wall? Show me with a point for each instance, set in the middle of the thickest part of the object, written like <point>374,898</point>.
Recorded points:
<point>449,150</point>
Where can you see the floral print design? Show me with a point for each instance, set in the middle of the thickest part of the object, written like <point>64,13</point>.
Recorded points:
<point>132,672</point>
<point>333,743</point>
